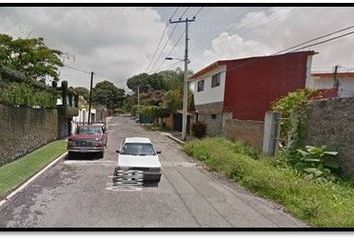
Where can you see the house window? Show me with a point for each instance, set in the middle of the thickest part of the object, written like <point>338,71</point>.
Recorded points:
<point>200,86</point>
<point>213,116</point>
<point>215,80</point>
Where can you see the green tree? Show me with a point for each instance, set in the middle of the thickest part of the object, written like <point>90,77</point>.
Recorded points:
<point>146,82</point>
<point>173,100</point>
<point>141,80</point>
<point>173,79</point>
<point>30,56</point>
<point>107,94</point>
<point>82,91</point>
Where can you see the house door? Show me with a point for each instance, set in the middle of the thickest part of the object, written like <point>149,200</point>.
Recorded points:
<point>178,122</point>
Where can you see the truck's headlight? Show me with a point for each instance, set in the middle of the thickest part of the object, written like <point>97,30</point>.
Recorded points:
<point>98,143</point>
<point>71,143</point>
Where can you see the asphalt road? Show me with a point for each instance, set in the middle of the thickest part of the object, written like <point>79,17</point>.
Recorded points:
<point>80,193</point>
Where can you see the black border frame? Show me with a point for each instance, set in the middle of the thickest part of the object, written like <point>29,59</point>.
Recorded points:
<point>176,229</point>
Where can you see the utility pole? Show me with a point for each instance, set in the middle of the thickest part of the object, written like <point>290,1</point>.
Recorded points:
<point>138,102</point>
<point>185,82</point>
<point>336,82</point>
<point>90,99</point>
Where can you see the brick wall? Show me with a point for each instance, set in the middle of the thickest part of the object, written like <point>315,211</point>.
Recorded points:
<point>24,129</point>
<point>211,114</point>
<point>331,122</point>
<point>247,131</point>
<point>214,124</point>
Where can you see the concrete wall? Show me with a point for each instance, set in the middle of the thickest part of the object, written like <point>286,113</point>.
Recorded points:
<point>24,129</point>
<point>210,95</point>
<point>331,122</point>
<point>247,131</point>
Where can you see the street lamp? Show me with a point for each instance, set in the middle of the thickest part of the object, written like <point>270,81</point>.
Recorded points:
<point>185,87</point>
<point>180,59</point>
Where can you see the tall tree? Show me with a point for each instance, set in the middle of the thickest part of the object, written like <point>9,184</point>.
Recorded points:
<point>30,56</point>
<point>107,94</point>
<point>141,80</point>
<point>83,92</point>
<point>146,82</point>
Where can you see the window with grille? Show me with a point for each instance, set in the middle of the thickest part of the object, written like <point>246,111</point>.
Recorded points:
<point>200,86</point>
<point>215,80</point>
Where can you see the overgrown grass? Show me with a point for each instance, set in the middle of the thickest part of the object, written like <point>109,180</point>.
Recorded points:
<point>323,205</point>
<point>15,173</point>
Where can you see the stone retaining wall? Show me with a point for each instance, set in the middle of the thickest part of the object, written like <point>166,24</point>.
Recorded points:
<point>24,129</point>
<point>331,122</point>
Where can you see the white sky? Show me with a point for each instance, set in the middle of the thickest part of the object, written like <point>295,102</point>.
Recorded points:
<point>120,42</point>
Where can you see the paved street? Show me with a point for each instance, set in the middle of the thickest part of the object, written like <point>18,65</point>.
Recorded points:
<point>79,193</point>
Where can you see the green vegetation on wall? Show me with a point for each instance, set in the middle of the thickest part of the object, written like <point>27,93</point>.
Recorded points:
<point>23,94</point>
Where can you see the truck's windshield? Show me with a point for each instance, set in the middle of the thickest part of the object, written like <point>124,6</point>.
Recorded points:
<point>138,149</point>
<point>89,130</point>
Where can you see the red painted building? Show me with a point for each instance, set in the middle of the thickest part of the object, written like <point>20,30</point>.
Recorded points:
<point>247,87</point>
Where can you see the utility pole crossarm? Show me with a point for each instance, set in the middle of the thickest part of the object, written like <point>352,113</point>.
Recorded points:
<point>181,21</point>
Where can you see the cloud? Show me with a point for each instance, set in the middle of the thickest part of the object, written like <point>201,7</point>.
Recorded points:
<point>117,42</point>
<point>226,46</point>
<point>270,30</point>
<point>120,42</point>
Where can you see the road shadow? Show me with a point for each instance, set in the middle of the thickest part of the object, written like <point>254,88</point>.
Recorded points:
<point>83,156</point>
<point>150,184</point>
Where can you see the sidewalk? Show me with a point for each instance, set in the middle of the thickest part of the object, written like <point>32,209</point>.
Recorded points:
<point>178,135</point>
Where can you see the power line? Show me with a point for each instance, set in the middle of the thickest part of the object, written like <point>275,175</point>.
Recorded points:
<point>200,9</point>
<point>169,66</point>
<point>324,41</point>
<point>158,45</point>
<point>261,59</point>
<point>179,39</point>
<point>238,30</point>
<point>173,48</point>
<point>169,37</point>
<point>314,39</point>
<point>163,48</point>
<point>185,11</point>
<point>76,69</point>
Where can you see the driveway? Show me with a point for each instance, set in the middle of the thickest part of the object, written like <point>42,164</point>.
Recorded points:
<point>80,193</point>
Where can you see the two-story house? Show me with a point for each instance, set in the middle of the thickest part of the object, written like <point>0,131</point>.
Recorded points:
<point>244,89</point>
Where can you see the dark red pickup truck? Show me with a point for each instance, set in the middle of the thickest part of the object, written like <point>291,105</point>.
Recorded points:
<point>88,139</point>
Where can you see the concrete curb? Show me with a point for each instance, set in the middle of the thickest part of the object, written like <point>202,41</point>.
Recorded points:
<point>29,181</point>
<point>173,138</point>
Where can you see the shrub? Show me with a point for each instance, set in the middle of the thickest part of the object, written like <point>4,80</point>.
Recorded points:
<point>289,106</point>
<point>23,94</point>
<point>317,163</point>
<point>134,110</point>
<point>199,129</point>
<point>119,111</point>
<point>153,112</point>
